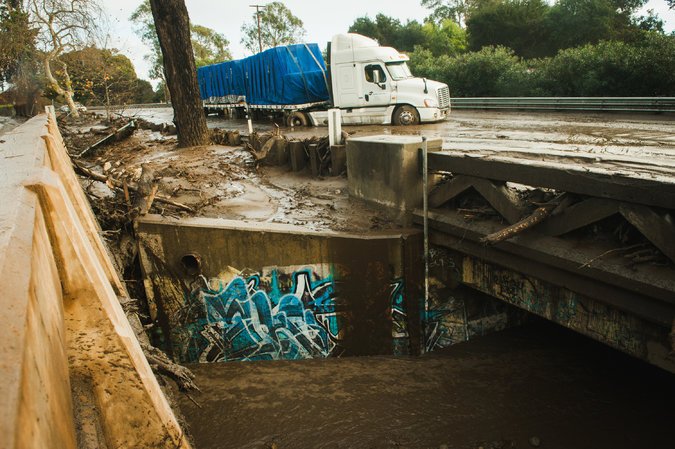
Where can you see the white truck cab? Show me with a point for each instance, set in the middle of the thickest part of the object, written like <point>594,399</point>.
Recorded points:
<point>371,84</point>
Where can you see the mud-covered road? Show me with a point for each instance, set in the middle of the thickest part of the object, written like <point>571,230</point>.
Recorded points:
<point>648,135</point>
<point>497,391</point>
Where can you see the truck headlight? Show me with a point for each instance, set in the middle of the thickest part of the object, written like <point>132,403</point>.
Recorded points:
<point>430,103</point>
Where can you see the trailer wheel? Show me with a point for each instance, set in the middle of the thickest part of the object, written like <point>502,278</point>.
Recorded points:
<point>406,115</point>
<point>297,118</point>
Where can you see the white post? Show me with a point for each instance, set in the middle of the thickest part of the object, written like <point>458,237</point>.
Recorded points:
<point>248,119</point>
<point>334,127</point>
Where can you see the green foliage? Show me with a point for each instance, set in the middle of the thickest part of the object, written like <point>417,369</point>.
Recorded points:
<point>208,45</point>
<point>391,32</point>
<point>143,93</point>
<point>278,26</point>
<point>613,68</point>
<point>517,24</point>
<point>145,29</point>
<point>17,44</point>
<point>492,71</point>
<point>446,38</point>
<point>456,10</point>
<point>609,68</point>
<point>100,75</point>
<point>579,22</point>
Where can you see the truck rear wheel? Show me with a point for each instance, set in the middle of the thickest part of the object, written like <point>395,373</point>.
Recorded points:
<point>406,115</point>
<point>297,118</point>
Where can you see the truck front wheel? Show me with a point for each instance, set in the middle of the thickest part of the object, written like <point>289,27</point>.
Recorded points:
<point>406,115</point>
<point>297,118</point>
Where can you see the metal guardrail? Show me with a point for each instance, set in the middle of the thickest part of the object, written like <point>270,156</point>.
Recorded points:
<point>616,104</point>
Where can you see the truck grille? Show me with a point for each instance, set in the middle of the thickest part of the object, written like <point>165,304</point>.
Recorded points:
<point>444,97</point>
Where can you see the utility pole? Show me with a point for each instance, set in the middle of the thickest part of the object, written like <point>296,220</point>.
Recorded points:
<point>257,13</point>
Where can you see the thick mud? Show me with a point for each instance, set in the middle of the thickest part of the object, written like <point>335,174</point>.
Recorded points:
<point>538,385</point>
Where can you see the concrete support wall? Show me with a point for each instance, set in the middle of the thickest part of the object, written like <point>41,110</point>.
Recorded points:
<point>223,290</point>
<point>73,372</point>
<point>386,170</point>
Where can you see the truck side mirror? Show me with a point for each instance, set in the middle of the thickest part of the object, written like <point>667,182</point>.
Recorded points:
<point>376,77</point>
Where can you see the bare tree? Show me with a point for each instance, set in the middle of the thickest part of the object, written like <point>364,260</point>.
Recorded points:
<point>63,25</point>
<point>173,31</point>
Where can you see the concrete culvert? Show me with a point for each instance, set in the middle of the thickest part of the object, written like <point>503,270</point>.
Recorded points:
<point>192,263</point>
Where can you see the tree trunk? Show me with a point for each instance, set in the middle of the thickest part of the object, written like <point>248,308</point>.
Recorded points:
<point>173,30</point>
<point>54,84</point>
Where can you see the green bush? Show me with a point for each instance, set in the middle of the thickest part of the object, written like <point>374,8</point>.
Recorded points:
<point>610,68</point>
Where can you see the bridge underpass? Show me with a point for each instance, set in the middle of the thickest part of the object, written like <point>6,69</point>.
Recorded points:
<point>599,255</point>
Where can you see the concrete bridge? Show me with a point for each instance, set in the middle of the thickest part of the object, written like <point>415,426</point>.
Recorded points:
<point>509,232</point>
<point>534,229</point>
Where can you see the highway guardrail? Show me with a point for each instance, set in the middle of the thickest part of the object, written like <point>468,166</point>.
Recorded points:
<point>613,104</point>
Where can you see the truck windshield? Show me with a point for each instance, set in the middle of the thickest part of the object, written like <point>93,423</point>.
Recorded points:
<point>398,70</point>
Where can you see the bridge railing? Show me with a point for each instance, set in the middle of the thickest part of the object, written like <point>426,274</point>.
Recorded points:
<point>608,104</point>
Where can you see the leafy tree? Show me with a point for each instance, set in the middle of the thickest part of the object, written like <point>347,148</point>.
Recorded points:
<point>143,92</point>
<point>458,11</point>
<point>391,32</point>
<point>209,46</point>
<point>579,22</point>
<point>278,26</point>
<point>613,68</point>
<point>101,76</point>
<point>650,22</point>
<point>517,24</point>
<point>448,38</point>
<point>17,40</point>
<point>63,25</point>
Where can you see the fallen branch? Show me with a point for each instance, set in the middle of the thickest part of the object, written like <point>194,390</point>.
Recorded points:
<point>120,185</point>
<point>611,251</point>
<point>160,362</point>
<point>119,134</point>
<point>157,359</point>
<point>537,217</point>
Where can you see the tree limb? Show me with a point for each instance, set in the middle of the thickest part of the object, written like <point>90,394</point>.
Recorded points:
<point>526,223</point>
<point>120,185</point>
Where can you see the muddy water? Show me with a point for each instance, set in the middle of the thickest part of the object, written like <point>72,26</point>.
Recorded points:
<point>498,391</point>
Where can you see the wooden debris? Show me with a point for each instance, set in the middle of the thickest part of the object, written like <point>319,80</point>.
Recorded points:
<point>611,251</point>
<point>120,185</point>
<point>122,133</point>
<point>537,217</point>
<point>146,190</point>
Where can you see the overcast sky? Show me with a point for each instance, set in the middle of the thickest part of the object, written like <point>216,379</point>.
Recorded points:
<point>322,19</point>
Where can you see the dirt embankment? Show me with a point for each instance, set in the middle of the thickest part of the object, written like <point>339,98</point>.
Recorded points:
<point>219,181</point>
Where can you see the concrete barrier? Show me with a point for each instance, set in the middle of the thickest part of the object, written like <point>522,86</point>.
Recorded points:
<point>386,170</point>
<point>73,372</point>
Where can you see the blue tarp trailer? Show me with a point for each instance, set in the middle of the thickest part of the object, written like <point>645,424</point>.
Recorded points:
<point>281,76</point>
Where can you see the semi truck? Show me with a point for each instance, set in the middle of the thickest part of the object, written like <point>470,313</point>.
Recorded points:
<point>368,83</point>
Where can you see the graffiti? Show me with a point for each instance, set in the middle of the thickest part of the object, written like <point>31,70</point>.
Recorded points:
<point>399,319</point>
<point>277,314</point>
<point>398,313</point>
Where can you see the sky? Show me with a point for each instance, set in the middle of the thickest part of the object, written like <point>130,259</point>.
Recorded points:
<point>322,19</point>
